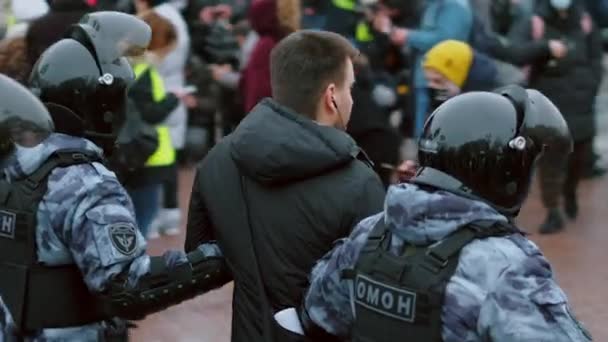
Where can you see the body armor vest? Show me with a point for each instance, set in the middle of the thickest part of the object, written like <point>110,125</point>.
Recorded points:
<point>39,296</point>
<point>401,296</point>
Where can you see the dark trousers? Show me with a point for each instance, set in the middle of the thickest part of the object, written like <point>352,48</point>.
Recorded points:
<point>170,189</point>
<point>560,176</point>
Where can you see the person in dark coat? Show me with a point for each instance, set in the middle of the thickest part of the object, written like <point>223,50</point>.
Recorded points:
<point>289,176</point>
<point>571,83</point>
<point>370,128</point>
<point>50,28</point>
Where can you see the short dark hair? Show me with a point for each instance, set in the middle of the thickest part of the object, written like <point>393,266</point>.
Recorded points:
<point>304,63</point>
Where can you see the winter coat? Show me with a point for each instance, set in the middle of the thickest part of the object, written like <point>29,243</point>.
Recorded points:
<point>304,188</point>
<point>573,81</point>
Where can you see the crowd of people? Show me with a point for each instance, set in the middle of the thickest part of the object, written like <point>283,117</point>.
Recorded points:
<point>208,65</point>
<point>260,93</point>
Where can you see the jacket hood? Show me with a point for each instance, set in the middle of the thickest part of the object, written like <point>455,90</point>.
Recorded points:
<point>421,216</point>
<point>264,18</point>
<point>275,145</point>
<point>26,160</point>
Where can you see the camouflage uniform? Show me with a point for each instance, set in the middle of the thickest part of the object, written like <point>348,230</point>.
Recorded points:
<point>76,216</point>
<point>502,290</point>
<point>6,323</point>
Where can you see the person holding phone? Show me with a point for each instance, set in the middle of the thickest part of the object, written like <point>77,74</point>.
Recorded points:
<point>153,104</point>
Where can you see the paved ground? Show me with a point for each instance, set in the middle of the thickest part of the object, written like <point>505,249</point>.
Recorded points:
<point>578,257</point>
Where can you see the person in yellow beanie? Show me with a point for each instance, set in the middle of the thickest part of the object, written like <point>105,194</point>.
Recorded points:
<point>453,67</point>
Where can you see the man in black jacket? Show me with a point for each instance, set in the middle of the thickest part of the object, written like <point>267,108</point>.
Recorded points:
<point>290,176</point>
<point>578,74</point>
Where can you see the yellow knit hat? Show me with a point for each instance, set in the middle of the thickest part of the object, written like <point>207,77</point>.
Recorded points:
<point>452,59</point>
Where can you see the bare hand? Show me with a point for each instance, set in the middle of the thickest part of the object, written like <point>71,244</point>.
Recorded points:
<point>399,36</point>
<point>406,170</point>
<point>207,15</point>
<point>558,49</point>
<point>223,11</point>
<point>188,100</point>
<point>586,23</point>
<point>218,71</point>
<point>382,23</point>
<point>538,27</point>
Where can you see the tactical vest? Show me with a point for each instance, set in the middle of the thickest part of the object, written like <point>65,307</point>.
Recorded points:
<point>402,295</point>
<point>36,295</point>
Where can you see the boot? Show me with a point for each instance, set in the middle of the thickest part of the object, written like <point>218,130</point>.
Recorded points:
<point>553,223</point>
<point>571,206</point>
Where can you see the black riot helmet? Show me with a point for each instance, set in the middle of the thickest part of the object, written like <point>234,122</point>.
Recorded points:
<point>83,78</point>
<point>24,120</point>
<point>484,144</point>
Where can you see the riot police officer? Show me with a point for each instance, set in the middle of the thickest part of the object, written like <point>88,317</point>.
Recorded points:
<point>71,256</point>
<point>444,261</point>
<point>24,122</point>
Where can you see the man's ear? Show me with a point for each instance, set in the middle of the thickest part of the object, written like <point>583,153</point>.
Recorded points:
<point>329,97</point>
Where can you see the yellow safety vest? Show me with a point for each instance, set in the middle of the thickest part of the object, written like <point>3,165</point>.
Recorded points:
<point>165,153</point>
<point>363,33</point>
<point>348,5</point>
<point>10,21</point>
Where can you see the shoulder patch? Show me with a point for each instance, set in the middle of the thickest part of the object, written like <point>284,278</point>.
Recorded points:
<point>8,221</point>
<point>124,238</point>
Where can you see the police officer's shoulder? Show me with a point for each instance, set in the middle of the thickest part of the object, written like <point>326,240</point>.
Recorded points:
<point>496,254</point>
<point>360,233</point>
<point>82,177</point>
<point>364,228</point>
<point>499,248</point>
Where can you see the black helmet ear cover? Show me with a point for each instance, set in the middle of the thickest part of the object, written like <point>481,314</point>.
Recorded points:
<point>518,96</point>
<point>80,35</point>
<point>66,121</point>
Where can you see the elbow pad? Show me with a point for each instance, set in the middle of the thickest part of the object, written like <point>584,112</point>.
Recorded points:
<point>163,287</point>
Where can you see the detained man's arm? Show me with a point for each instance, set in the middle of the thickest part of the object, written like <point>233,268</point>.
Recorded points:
<point>327,308</point>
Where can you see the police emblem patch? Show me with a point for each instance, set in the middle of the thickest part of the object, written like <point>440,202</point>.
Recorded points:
<point>124,238</point>
<point>387,300</point>
<point>8,222</point>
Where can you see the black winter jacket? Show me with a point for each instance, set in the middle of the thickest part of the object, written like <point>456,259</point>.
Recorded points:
<point>573,81</point>
<point>304,189</point>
